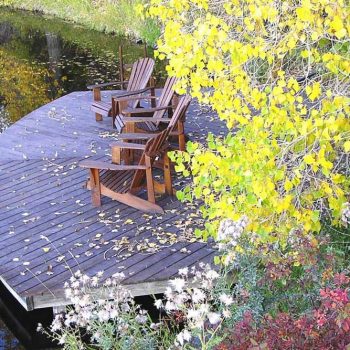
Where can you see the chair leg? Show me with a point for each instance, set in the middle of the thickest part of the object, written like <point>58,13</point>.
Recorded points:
<point>153,92</point>
<point>97,97</point>
<point>182,139</point>
<point>149,178</point>
<point>95,187</point>
<point>114,112</point>
<point>167,175</point>
<point>130,128</point>
<point>116,155</point>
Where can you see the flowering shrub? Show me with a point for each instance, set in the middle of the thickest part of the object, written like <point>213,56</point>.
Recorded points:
<point>108,315</point>
<point>190,298</point>
<point>277,73</point>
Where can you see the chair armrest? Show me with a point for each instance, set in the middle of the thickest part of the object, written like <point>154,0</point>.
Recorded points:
<point>145,110</point>
<point>133,98</point>
<point>130,93</point>
<point>95,164</point>
<point>144,119</point>
<point>128,145</point>
<point>91,87</point>
<point>136,136</point>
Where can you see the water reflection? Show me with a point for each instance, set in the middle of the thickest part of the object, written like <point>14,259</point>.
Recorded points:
<point>41,59</point>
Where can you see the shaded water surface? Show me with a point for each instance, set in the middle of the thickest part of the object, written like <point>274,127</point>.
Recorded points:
<point>40,60</point>
<point>43,58</point>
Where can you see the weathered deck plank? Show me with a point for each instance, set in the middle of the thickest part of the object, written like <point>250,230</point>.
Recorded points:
<point>48,226</point>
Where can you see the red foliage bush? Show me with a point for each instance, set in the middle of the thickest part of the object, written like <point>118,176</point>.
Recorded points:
<point>326,327</point>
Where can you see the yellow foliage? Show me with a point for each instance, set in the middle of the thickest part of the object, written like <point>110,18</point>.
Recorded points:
<point>278,73</point>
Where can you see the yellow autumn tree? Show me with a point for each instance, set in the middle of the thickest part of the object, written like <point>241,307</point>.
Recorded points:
<point>277,72</point>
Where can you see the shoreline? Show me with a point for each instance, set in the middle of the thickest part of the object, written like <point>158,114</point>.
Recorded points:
<point>118,18</point>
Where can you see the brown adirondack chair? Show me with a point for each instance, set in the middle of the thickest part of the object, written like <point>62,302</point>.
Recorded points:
<point>139,77</point>
<point>162,105</point>
<point>122,182</point>
<point>155,122</point>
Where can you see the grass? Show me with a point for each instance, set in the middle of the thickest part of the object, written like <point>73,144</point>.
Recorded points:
<point>97,42</point>
<point>110,16</point>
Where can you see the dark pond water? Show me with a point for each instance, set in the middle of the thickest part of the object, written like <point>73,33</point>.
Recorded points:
<point>40,60</point>
<point>43,58</point>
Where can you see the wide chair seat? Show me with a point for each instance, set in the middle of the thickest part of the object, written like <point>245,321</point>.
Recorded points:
<point>119,183</point>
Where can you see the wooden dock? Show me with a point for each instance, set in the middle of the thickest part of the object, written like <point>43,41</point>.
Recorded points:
<point>48,226</point>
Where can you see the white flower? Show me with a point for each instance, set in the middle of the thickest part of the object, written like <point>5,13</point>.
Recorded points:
<point>168,293</point>
<point>226,299</point>
<point>180,299</point>
<point>103,315</point>
<point>230,230</point>
<point>183,272</point>
<point>125,307</point>
<point>183,336</point>
<point>214,317</point>
<point>197,295</point>
<point>346,213</point>
<point>108,282</point>
<point>142,319</point>
<point>193,314</point>
<point>85,279</point>
<point>62,339</point>
<point>186,335</point>
<point>180,338</point>
<point>229,258</point>
<point>178,284</point>
<point>226,313</point>
<point>39,327</point>
<point>75,284</point>
<point>68,292</point>
<point>56,323</point>
<point>155,325</point>
<point>212,274</point>
<point>94,281</point>
<point>96,336</point>
<point>170,306</point>
<point>114,313</point>
<point>158,303</point>
<point>100,274</point>
<point>84,300</point>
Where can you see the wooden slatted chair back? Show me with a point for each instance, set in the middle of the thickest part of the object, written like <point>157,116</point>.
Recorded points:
<point>140,74</point>
<point>126,67</point>
<point>166,96</point>
<point>155,146</point>
<point>164,100</point>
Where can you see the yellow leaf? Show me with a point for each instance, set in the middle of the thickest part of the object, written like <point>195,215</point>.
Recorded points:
<point>304,14</point>
<point>288,185</point>
<point>309,159</point>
